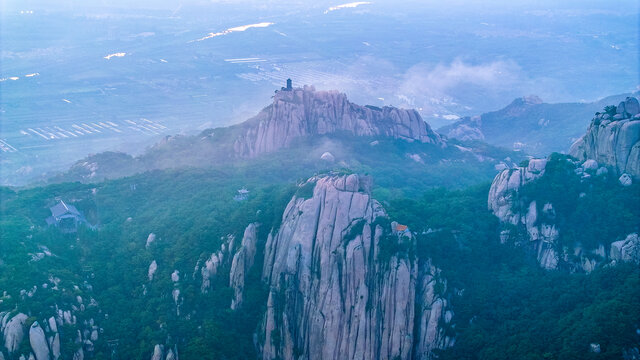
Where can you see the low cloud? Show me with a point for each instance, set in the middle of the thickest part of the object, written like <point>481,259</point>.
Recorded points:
<point>447,84</point>
<point>458,87</point>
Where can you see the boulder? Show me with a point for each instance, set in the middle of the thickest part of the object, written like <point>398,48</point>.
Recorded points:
<point>631,106</point>
<point>14,332</point>
<point>53,326</point>
<point>153,267</point>
<point>627,250</point>
<point>590,164</point>
<point>38,342</point>
<point>625,180</point>
<point>158,352</point>
<point>150,239</point>
<point>620,109</point>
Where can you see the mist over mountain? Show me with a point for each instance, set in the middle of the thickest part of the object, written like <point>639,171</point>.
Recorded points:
<point>319,181</point>
<point>72,96</point>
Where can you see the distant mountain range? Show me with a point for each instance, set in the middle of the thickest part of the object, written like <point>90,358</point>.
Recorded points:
<point>530,125</point>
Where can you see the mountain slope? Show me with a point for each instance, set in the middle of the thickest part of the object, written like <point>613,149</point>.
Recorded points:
<point>305,131</point>
<point>530,125</point>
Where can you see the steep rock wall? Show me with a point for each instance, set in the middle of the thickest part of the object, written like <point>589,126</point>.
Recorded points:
<point>613,140</point>
<point>336,292</point>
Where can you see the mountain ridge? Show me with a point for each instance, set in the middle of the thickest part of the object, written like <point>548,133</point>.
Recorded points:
<point>529,124</point>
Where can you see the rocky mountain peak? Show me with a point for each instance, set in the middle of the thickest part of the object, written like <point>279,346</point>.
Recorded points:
<point>335,293</point>
<point>528,100</point>
<point>613,139</point>
<point>521,104</point>
<point>300,112</point>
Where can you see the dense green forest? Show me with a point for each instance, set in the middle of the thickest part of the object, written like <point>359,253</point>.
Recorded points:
<point>506,306</point>
<point>510,308</point>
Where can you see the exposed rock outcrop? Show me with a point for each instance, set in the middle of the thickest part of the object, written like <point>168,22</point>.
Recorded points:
<point>170,355</point>
<point>432,309</point>
<point>158,352</point>
<point>242,263</point>
<point>613,140</point>
<point>467,131</point>
<point>506,184</point>
<point>213,263</point>
<point>627,249</point>
<point>304,111</point>
<point>14,331</point>
<point>38,342</point>
<point>503,195</point>
<point>337,291</point>
<point>55,346</point>
<point>153,267</point>
<point>150,239</point>
<point>532,224</point>
<point>79,354</point>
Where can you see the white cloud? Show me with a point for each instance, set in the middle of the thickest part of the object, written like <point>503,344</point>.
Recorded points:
<point>345,6</point>
<point>118,54</point>
<point>444,79</point>
<point>234,29</point>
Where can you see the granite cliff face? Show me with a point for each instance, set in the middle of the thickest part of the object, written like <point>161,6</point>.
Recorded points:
<point>613,139</point>
<point>503,195</point>
<point>304,111</point>
<point>337,292</point>
<point>242,263</point>
<point>532,223</point>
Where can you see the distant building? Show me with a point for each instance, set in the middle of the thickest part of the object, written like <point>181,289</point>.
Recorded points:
<point>289,86</point>
<point>65,217</point>
<point>400,229</point>
<point>243,194</point>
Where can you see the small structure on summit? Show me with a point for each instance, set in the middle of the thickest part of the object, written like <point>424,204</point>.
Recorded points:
<point>289,86</point>
<point>65,217</point>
